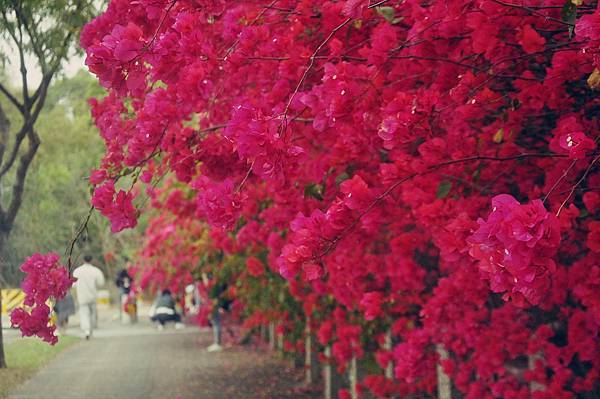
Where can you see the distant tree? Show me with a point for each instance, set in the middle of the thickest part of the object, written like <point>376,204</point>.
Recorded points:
<point>45,30</point>
<point>56,179</point>
<point>56,182</point>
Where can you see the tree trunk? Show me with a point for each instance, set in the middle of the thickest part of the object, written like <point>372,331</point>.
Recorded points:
<point>3,239</point>
<point>2,359</point>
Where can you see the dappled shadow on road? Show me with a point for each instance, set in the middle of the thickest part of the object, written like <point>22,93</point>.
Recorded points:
<point>241,372</point>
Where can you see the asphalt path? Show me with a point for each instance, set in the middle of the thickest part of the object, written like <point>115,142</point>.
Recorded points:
<point>137,361</point>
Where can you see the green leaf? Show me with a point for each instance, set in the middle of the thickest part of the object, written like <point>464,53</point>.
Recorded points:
<point>569,15</point>
<point>476,175</point>
<point>443,189</point>
<point>498,136</point>
<point>341,177</point>
<point>314,190</point>
<point>387,13</point>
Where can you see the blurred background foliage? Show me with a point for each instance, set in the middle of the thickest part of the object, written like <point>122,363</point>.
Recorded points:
<point>57,193</point>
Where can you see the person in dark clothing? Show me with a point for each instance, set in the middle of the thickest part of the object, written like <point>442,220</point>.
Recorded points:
<point>64,308</point>
<point>123,282</point>
<point>164,311</point>
<point>220,305</point>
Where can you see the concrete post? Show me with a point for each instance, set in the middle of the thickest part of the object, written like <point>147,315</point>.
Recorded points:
<point>389,370</point>
<point>353,378</point>
<point>272,335</point>
<point>444,384</point>
<point>327,392</point>
<point>531,360</point>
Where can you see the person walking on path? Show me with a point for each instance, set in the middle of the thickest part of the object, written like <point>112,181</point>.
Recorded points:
<point>89,279</point>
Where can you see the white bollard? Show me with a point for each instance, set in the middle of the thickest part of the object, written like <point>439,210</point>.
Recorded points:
<point>280,338</point>
<point>353,378</point>
<point>308,358</point>
<point>327,375</point>
<point>443,381</point>
<point>389,370</point>
<point>531,360</point>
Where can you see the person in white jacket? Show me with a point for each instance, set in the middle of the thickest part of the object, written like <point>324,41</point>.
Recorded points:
<point>89,280</point>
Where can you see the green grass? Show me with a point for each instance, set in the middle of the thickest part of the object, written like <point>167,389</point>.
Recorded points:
<point>24,357</point>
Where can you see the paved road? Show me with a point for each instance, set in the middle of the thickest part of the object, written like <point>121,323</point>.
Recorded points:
<point>132,362</point>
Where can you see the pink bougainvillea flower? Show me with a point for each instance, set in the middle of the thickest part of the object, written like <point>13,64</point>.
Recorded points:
<point>531,40</point>
<point>45,278</point>
<point>577,144</point>
<point>514,247</point>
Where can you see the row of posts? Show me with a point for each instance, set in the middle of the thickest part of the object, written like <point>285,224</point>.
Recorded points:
<point>332,381</point>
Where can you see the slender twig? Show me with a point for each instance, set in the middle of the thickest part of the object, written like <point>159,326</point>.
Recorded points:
<point>532,11</point>
<point>259,16</point>
<point>557,182</point>
<point>577,184</point>
<point>160,24</point>
<point>566,172</point>
<point>211,129</point>
<point>374,5</point>
<point>307,70</point>
<point>239,188</point>
<point>78,234</point>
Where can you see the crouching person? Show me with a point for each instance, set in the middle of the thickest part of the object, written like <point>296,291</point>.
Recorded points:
<point>164,311</point>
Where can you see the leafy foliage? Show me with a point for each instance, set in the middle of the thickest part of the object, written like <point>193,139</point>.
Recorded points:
<point>55,191</point>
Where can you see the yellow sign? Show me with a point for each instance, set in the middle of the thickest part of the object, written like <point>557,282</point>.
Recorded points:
<point>103,297</point>
<point>11,298</point>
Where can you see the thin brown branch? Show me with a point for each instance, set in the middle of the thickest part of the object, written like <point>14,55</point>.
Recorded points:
<point>561,178</point>
<point>32,36</point>
<point>29,122</point>
<point>211,129</point>
<point>11,98</point>
<point>307,70</point>
<point>258,16</point>
<point>160,24</point>
<point>78,234</point>
<point>20,136</point>
<point>20,175</point>
<point>23,67</point>
<point>377,4</point>
<point>532,11</point>
<point>587,171</point>
<point>239,188</point>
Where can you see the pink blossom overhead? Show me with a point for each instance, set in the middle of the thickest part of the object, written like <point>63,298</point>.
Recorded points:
<point>338,160</point>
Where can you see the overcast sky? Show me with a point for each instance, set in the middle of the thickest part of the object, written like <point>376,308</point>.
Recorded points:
<point>70,66</point>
